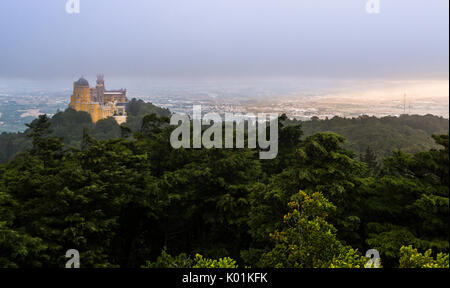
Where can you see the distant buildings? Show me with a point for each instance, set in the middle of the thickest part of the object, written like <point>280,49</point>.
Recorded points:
<point>99,102</point>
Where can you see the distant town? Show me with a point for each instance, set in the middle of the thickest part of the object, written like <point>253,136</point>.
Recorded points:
<point>21,104</point>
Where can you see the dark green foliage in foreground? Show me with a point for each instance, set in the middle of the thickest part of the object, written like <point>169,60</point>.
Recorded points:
<point>121,202</point>
<point>307,239</point>
<point>409,202</point>
<point>411,258</point>
<point>183,261</point>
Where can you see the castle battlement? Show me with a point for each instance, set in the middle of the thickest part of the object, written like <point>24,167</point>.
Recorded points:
<point>99,102</point>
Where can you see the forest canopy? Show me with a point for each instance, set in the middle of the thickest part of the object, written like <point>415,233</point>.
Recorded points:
<point>381,136</point>
<point>123,197</point>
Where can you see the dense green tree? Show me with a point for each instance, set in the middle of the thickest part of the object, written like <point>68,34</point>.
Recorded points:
<point>106,129</point>
<point>409,204</point>
<point>184,261</point>
<point>411,258</point>
<point>308,240</point>
<point>320,164</point>
<point>370,158</point>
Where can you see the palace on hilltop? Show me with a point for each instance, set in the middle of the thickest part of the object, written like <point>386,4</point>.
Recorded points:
<point>99,102</point>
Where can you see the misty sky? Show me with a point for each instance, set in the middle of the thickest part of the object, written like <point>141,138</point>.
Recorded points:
<point>232,38</point>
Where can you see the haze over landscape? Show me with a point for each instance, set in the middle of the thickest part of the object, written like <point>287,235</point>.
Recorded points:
<point>304,58</point>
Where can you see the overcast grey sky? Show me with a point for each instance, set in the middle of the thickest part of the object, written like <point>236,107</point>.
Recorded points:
<point>233,38</point>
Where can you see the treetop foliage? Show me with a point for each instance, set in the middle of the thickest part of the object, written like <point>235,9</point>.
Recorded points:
<point>134,201</point>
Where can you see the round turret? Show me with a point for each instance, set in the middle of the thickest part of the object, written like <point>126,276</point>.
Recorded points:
<point>82,82</point>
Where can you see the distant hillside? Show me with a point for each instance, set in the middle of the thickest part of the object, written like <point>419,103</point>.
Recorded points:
<point>70,125</point>
<point>383,135</point>
<point>409,133</point>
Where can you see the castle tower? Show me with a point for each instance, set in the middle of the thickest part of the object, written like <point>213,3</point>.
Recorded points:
<point>100,88</point>
<point>81,94</point>
<point>100,80</point>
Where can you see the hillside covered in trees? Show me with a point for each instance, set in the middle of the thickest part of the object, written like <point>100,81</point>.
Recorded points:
<point>71,125</point>
<point>134,201</point>
<point>409,133</point>
<point>377,136</point>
